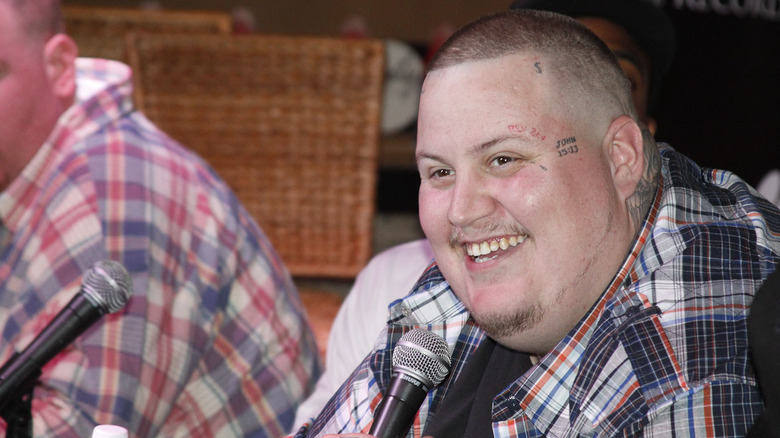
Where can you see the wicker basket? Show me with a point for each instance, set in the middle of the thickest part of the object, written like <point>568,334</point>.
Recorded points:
<point>291,123</point>
<point>100,31</point>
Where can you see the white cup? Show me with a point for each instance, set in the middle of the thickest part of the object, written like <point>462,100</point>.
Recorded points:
<point>109,431</point>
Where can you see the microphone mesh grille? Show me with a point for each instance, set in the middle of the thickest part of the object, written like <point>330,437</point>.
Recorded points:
<point>424,351</point>
<point>108,285</point>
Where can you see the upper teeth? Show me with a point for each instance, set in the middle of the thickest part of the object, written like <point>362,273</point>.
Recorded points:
<point>486,247</point>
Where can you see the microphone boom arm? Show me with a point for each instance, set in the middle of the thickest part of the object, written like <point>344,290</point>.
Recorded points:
<point>16,410</point>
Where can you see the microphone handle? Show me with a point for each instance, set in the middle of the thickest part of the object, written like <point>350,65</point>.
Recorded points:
<point>69,323</point>
<point>398,408</point>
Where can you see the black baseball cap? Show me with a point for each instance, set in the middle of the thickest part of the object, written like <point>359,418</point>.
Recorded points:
<point>647,24</point>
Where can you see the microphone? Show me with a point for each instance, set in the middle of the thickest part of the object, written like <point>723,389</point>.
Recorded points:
<point>421,361</point>
<point>105,288</point>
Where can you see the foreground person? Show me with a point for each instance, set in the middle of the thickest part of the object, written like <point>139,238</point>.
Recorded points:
<point>588,281</point>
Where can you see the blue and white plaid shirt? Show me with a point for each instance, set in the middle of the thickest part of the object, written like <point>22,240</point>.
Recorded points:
<point>664,352</point>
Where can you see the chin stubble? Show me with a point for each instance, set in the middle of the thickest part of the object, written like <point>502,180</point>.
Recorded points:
<point>502,325</point>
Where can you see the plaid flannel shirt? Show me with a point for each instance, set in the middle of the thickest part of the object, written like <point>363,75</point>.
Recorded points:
<point>664,352</point>
<point>214,341</point>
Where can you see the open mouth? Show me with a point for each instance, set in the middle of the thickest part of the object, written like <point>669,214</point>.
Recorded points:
<point>490,249</point>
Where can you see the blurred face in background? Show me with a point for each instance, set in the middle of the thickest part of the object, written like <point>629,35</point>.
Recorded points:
<point>633,60</point>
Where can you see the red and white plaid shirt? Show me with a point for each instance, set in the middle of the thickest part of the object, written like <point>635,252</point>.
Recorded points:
<point>214,341</point>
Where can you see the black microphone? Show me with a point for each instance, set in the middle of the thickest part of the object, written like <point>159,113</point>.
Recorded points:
<point>105,288</point>
<point>421,361</point>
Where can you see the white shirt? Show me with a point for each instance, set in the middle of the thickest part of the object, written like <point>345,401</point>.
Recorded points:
<point>769,186</point>
<point>388,276</point>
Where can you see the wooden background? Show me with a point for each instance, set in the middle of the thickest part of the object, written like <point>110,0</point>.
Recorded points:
<point>410,20</point>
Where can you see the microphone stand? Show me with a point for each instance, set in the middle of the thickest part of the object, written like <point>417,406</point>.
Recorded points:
<point>17,410</point>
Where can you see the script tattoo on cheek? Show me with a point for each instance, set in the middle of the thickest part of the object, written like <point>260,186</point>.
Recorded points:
<point>538,67</point>
<point>567,146</point>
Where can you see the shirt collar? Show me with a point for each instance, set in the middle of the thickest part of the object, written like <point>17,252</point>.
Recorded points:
<point>103,91</point>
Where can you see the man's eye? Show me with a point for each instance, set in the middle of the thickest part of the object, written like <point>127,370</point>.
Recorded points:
<point>501,161</point>
<point>441,173</point>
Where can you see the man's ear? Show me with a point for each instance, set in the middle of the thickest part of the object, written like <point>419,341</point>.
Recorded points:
<point>625,150</point>
<point>60,54</point>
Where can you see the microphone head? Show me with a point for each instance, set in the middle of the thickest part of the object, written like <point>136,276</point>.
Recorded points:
<point>425,353</point>
<point>107,285</point>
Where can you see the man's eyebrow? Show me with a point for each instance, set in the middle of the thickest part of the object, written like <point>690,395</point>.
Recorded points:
<point>422,156</point>
<point>478,148</point>
<point>482,147</point>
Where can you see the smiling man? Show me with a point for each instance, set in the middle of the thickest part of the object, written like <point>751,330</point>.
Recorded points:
<point>642,39</point>
<point>516,218</point>
<point>588,282</point>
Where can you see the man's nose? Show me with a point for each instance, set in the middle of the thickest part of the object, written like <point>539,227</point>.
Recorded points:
<point>471,200</point>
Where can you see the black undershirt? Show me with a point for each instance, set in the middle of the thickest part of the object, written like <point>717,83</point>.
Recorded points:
<point>466,411</point>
